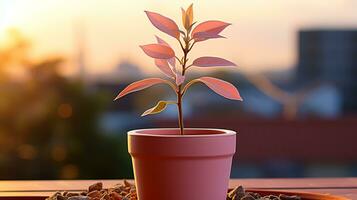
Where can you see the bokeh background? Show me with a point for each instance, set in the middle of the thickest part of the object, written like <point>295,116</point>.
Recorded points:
<point>63,62</point>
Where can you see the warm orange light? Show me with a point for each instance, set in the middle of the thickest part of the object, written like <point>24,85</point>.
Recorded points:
<point>69,171</point>
<point>65,110</point>
<point>27,152</point>
<point>262,36</point>
<point>59,153</point>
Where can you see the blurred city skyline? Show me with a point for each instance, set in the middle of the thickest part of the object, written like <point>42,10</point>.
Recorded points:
<point>263,35</point>
<point>296,73</point>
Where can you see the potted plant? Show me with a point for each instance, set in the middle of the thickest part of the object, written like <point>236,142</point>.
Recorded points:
<point>182,163</point>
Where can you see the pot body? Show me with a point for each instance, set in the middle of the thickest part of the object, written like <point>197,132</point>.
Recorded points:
<point>193,166</point>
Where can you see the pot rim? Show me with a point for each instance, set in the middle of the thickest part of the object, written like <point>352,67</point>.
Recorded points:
<point>224,133</point>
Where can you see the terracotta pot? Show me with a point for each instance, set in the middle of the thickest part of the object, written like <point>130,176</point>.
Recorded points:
<point>193,166</point>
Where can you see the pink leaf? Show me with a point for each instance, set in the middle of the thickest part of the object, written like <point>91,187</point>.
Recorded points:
<point>210,28</point>
<point>221,87</point>
<point>179,79</point>
<point>209,61</point>
<point>139,85</point>
<point>161,41</point>
<point>213,26</point>
<point>159,51</point>
<point>201,36</point>
<point>164,24</point>
<point>172,60</point>
<point>163,65</point>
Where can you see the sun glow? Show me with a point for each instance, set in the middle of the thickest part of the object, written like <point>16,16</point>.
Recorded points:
<point>262,36</point>
<point>7,19</point>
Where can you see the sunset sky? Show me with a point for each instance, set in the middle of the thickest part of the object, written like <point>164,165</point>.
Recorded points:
<point>262,37</point>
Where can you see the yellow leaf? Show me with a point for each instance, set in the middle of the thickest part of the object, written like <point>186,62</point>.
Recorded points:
<point>189,14</point>
<point>183,17</point>
<point>159,107</point>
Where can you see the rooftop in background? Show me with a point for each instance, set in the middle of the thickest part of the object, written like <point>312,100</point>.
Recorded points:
<point>330,56</point>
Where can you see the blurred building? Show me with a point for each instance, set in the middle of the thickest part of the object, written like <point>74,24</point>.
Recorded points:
<point>330,56</point>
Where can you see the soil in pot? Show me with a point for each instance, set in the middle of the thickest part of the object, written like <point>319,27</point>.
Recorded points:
<point>127,191</point>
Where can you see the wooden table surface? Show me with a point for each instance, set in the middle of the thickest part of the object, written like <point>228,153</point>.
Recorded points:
<point>346,187</point>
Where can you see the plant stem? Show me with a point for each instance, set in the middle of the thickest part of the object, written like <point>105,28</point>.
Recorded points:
<point>185,50</point>
<point>179,108</point>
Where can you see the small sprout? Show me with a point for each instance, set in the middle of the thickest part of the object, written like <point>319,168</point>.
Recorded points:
<point>165,59</point>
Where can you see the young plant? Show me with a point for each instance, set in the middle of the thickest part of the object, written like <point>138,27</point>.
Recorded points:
<point>165,59</point>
